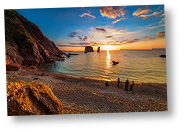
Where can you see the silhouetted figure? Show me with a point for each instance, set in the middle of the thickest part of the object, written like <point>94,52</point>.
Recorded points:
<point>106,84</point>
<point>118,82</point>
<point>131,86</point>
<point>98,50</point>
<point>126,84</point>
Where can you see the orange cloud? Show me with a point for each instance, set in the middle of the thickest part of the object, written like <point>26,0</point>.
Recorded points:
<point>108,36</point>
<point>160,34</point>
<point>118,20</point>
<point>141,11</point>
<point>162,15</point>
<point>155,13</point>
<point>92,37</point>
<point>87,14</point>
<point>163,20</point>
<point>111,12</point>
<point>145,15</point>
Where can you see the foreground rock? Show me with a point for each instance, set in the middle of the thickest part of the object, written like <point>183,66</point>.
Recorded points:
<point>31,99</point>
<point>25,43</point>
<point>163,56</point>
<point>88,49</point>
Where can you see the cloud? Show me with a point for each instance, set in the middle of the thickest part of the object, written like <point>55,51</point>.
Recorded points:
<point>92,37</point>
<point>108,37</point>
<point>83,39</point>
<point>101,30</point>
<point>148,38</point>
<point>131,32</point>
<point>86,37</point>
<point>145,15</point>
<point>145,12</point>
<point>162,20</point>
<point>72,34</point>
<point>130,41</point>
<point>87,14</point>
<point>73,44</point>
<point>80,37</point>
<point>118,20</point>
<point>114,43</point>
<point>112,12</point>
<point>162,15</point>
<point>155,26</point>
<point>155,13</point>
<point>160,34</point>
<point>141,12</point>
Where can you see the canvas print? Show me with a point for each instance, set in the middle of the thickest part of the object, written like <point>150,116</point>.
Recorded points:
<point>109,59</point>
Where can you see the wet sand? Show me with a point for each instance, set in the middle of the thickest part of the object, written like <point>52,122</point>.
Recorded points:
<point>82,95</point>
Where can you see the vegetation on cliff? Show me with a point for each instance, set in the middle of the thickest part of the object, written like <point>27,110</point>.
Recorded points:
<point>25,43</point>
<point>31,99</point>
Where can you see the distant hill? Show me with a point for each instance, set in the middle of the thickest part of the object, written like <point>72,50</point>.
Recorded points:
<point>25,43</point>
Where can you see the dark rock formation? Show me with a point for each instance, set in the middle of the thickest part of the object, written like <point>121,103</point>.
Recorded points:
<point>13,67</point>
<point>26,44</point>
<point>31,99</point>
<point>163,56</point>
<point>115,62</point>
<point>88,49</point>
<point>69,54</point>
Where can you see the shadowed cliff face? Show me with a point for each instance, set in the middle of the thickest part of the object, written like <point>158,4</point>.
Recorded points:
<point>25,43</point>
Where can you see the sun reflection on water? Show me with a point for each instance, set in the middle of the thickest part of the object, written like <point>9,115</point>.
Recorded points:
<point>108,66</point>
<point>108,59</point>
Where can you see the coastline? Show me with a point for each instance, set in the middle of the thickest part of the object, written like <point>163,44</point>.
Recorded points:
<point>83,95</point>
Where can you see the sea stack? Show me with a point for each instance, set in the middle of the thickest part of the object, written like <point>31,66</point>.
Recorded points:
<point>88,49</point>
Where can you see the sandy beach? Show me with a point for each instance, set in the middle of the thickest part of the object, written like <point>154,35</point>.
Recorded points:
<point>82,95</point>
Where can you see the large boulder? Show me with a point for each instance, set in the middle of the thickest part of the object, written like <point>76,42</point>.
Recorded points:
<point>31,99</point>
<point>88,49</point>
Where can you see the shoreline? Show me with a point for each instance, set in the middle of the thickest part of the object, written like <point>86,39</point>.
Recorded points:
<point>100,79</point>
<point>92,96</point>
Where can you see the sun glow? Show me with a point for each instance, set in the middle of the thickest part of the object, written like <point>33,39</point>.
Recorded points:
<point>110,47</point>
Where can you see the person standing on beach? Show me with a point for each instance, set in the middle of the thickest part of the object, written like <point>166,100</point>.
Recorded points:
<point>118,82</point>
<point>106,83</point>
<point>131,86</point>
<point>126,84</point>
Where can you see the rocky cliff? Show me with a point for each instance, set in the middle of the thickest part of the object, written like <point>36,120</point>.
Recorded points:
<point>25,43</point>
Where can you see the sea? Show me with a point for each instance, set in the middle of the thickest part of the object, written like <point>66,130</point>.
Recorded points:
<point>140,66</point>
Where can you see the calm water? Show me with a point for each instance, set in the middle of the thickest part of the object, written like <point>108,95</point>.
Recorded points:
<point>140,66</point>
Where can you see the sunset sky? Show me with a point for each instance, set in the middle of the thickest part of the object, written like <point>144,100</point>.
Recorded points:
<point>119,27</point>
